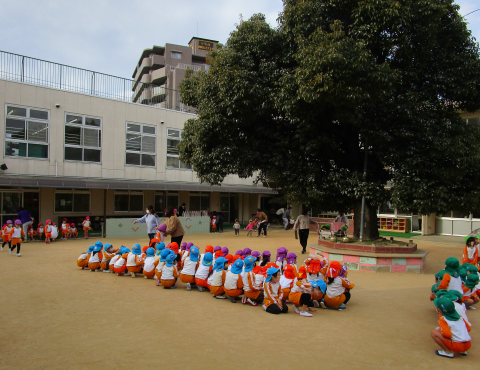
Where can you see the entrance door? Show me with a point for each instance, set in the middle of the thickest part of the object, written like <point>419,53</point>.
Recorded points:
<point>225,207</point>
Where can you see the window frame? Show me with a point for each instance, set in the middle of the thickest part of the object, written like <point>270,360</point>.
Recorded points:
<point>141,152</point>
<point>175,52</point>
<point>73,192</point>
<point>129,193</point>
<point>180,132</point>
<point>26,120</point>
<point>82,126</point>
<point>200,194</point>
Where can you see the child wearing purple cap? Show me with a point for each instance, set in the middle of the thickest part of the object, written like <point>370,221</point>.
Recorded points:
<point>224,251</point>
<point>247,252</point>
<point>239,253</point>
<point>265,258</point>
<point>257,255</point>
<point>292,261</point>
<point>280,260</point>
<point>5,234</point>
<point>161,231</point>
<point>15,237</point>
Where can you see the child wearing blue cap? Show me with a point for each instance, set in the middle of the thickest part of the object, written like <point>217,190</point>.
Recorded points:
<point>108,253</point>
<point>134,260</point>
<point>169,272</point>
<point>160,247</point>
<point>190,266</point>
<point>149,264</point>
<point>111,265</point>
<point>204,269</point>
<point>233,281</point>
<point>217,278</point>
<point>96,257</point>
<point>252,293</point>
<point>318,291</point>
<point>121,263</point>
<point>273,293</point>
<point>82,260</point>
<point>161,264</point>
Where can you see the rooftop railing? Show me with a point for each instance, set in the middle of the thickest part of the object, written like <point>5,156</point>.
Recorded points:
<point>20,68</point>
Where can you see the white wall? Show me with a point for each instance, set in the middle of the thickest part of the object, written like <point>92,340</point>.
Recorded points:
<point>114,115</point>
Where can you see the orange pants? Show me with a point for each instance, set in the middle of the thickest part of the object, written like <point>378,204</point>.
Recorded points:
<point>158,274</point>
<point>5,238</point>
<point>94,266</point>
<point>202,283</point>
<point>149,274</point>
<point>48,235</point>
<point>134,268</point>
<point>16,241</point>
<point>187,279</point>
<point>294,298</point>
<point>217,290</point>
<point>75,233</point>
<point>64,232</point>
<point>286,293</point>
<point>335,301</point>
<point>317,297</point>
<point>457,346</point>
<point>233,292</point>
<point>120,270</point>
<point>252,295</point>
<point>103,265</point>
<point>86,228</point>
<point>82,263</point>
<point>168,283</point>
<point>111,267</point>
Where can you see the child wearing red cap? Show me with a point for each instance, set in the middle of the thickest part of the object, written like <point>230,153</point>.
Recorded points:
<point>15,237</point>
<point>338,288</point>
<point>65,229</point>
<point>48,231</point>
<point>230,261</point>
<point>73,231</point>
<point>213,224</point>
<point>287,280</point>
<point>31,232</point>
<point>86,226</point>
<point>40,231</point>
<point>5,234</point>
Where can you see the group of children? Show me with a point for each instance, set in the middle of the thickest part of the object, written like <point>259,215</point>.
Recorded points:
<point>456,289</point>
<point>316,283</point>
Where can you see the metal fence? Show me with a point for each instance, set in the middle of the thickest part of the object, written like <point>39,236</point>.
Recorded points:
<point>40,72</point>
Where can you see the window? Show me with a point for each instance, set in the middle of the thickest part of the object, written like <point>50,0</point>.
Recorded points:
<point>158,205</point>
<point>26,132</point>
<point>176,55</point>
<point>173,200</point>
<point>129,201</point>
<point>199,201</point>
<point>140,144</point>
<point>72,201</point>
<point>83,138</point>
<point>173,155</point>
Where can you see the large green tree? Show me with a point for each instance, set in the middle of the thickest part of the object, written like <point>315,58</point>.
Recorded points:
<point>346,98</point>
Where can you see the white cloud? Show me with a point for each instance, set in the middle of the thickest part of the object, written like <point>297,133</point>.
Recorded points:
<point>109,35</point>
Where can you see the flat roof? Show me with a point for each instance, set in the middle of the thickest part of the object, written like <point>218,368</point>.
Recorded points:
<point>201,38</point>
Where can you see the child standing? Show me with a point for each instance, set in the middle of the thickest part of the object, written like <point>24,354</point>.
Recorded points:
<point>452,331</point>
<point>162,229</point>
<point>214,224</point>
<point>249,228</point>
<point>236,226</point>
<point>86,226</point>
<point>64,229</point>
<point>15,237</point>
<point>6,234</point>
<point>73,231</point>
<point>292,261</point>
<point>470,251</point>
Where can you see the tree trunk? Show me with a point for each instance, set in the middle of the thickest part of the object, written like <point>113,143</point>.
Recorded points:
<point>370,231</point>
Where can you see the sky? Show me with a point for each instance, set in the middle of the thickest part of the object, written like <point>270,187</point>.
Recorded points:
<point>109,35</point>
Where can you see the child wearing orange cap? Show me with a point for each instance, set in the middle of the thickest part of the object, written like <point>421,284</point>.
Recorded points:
<point>229,260</point>
<point>190,266</point>
<point>86,226</point>
<point>287,280</point>
<point>233,280</point>
<point>252,293</point>
<point>338,288</point>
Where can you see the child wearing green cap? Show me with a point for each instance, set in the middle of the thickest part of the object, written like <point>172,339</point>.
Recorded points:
<point>451,278</point>
<point>469,291</point>
<point>451,335</point>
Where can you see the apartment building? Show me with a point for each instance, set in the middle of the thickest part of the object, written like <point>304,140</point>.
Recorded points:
<point>95,153</point>
<point>160,70</point>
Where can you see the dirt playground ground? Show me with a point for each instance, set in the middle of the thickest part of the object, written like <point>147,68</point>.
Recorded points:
<point>56,316</point>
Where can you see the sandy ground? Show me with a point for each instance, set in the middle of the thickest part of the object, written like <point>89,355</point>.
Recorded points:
<point>56,316</point>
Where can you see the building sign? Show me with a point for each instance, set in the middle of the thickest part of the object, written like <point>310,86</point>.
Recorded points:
<point>205,45</point>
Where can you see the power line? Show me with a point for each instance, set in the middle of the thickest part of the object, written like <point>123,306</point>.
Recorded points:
<point>463,16</point>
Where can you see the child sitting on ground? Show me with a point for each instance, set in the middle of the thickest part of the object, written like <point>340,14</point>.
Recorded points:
<point>190,266</point>
<point>120,265</point>
<point>134,260</point>
<point>252,293</point>
<point>273,292</point>
<point>149,264</point>
<point>233,281</point>
<point>301,295</point>
<point>96,257</point>
<point>287,280</point>
<point>161,264</point>
<point>82,260</point>
<point>470,251</point>
<point>217,278</point>
<point>86,226</point>
<point>451,278</point>
<point>469,294</point>
<point>338,289</point>
<point>73,231</point>
<point>204,269</point>
<point>169,272</point>
<point>108,254</point>
<point>452,332</point>
<point>65,229</point>
<point>31,232</point>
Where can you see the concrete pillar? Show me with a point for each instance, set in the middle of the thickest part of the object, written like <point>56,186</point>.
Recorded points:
<point>47,204</point>
<point>214,201</point>
<point>148,199</point>
<point>429,224</point>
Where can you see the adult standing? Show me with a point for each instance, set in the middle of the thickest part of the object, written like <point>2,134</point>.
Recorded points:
<point>219,222</point>
<point>26,217</point>
<point>262,223</point>
<point>182,210</point>
<point>303,226</point>
<point>286,218</point>
<point>152,221</point>
<point>342,218</point>
<point>174,226</point>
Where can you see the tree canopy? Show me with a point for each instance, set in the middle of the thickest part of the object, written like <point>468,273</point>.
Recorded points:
<point>338,80</point>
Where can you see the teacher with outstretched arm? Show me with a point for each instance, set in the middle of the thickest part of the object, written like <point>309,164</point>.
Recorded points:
<point>174,226</point>
<point>152,221</point>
